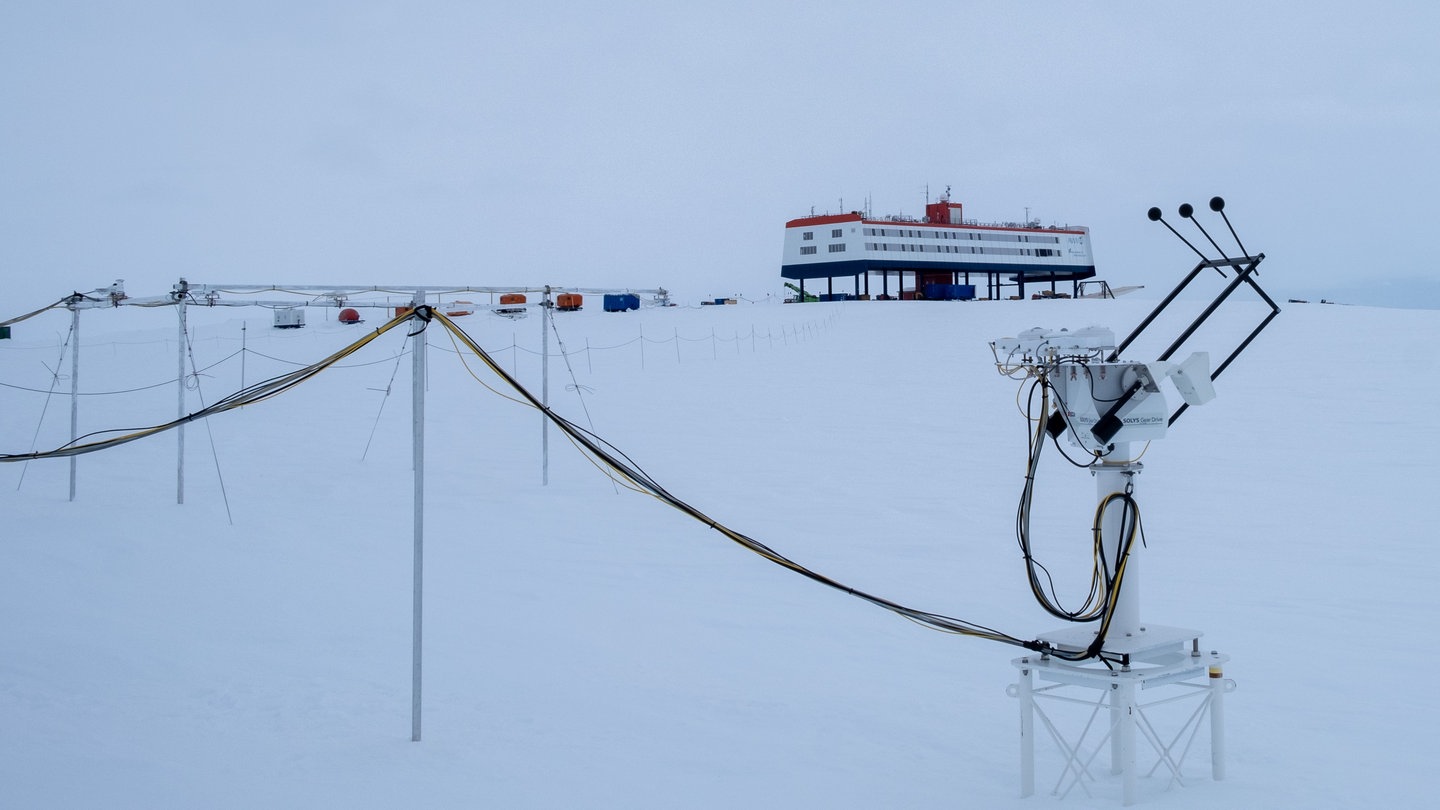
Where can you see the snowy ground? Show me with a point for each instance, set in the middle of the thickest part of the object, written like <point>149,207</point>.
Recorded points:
<point>587,647</point>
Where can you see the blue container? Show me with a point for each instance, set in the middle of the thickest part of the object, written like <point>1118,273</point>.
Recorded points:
<point>621,302</point>
<point>949,292</point>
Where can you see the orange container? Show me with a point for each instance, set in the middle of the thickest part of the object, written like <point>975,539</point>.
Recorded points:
<point>512,298</point>
<point>569,301</point>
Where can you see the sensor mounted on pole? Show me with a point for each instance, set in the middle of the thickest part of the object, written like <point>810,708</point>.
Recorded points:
<point>1104,403</point>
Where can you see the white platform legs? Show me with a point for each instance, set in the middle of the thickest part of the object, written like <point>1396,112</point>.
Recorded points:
<point>1151,707</point>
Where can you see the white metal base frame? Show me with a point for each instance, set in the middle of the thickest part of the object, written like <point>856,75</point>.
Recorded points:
<point>1185,675</point>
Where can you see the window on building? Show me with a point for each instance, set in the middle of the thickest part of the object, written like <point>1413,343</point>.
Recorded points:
<point>807,235</point>
<point>807,250</point>
<point>836,233</point>
<point>838,247</point>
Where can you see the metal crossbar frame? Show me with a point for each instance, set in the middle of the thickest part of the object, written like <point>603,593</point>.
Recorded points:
<point>1197,677</point>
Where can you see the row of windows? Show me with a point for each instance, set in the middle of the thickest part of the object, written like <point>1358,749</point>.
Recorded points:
<point>989,251</point>
<point>983,237</point>
<point>807,250</point>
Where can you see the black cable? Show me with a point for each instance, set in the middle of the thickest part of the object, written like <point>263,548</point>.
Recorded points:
<point>617,460</point>
<point>249,395</point>
<point>1063,408</point>
<point>1107,578</point>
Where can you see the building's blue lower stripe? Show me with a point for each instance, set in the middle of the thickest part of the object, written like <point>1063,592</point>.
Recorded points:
<point>856,267</point>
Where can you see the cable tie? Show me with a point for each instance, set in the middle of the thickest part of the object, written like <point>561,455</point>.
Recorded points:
<point>424,314</point>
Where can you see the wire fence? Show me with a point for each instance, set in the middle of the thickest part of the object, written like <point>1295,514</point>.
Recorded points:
<point>109,364</point>
<point>646,349</point>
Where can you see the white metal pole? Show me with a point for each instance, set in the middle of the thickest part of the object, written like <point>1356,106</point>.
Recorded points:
<point>74,389</point>
<point>1217,722</point>
<point>181,288</point>
<point>1110,479</point>
<point>545,306</point>
<point>1026,693</point>
<point>1125,692</point>
<point>418,567</point>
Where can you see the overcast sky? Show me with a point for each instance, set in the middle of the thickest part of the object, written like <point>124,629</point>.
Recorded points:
<point>643,144</point>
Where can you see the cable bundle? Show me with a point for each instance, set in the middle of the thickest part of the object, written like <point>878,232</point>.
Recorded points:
<point>1107,575</point>
<point>620,466</point>
<point>1106,580</point>
<point>246,396</point>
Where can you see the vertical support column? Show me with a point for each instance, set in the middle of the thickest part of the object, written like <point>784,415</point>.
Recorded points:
<point>1110,479</point>
<point>1217,722</point>
<point>417,412</point>
<point>545,306</point>
<point>1117,746</point>
<point>182,291</point>
<point>1122,705</point>
<point>74,388</point>
<point>1025,691</point>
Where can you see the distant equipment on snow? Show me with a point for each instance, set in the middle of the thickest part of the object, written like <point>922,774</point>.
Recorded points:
<point>512,305</point>
<point>621,302</point>
<point>290,318</point>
